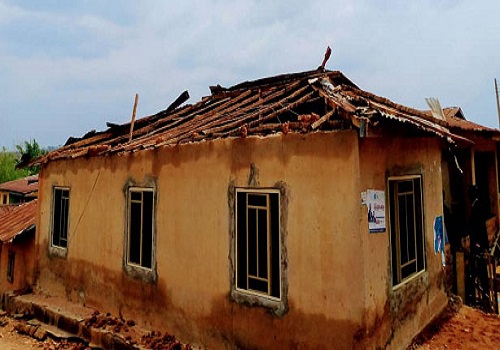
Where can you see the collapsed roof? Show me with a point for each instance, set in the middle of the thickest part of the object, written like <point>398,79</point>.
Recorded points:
<point>307,102</point>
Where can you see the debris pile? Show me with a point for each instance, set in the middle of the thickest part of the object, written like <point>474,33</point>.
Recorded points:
<point>64,344</point>
<point>89,330</point>
<point>115,324</point>
<point>156,340</point>
<point>34,331</point>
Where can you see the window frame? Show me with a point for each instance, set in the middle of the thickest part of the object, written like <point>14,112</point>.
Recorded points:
<point>399,278</point>
<point>55,249</point>
<point>134,269</point>
<point>11,263</point>
<point>270,260</point>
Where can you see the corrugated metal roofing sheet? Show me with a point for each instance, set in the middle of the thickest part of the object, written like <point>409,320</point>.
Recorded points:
<point>7,207</point>
<point>25,185</point>
<point>17,220</point>
<point>301,103</point>
<point>456,122</point>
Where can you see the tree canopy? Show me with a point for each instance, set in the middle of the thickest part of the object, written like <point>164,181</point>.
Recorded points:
<point>8,161</point>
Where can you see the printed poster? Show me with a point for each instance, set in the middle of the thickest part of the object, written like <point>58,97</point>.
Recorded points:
<point>375,200</point>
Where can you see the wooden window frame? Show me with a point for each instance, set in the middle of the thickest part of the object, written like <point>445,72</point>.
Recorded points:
<point>60,218</point>
<point>11,261</point>
<point>270,278</point>
<point>410,244</point>
<point>141,264</point>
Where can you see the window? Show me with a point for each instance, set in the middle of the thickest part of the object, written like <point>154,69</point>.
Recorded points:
<point>258,262</point>
<point>140,227</point>
<point>407,232</point>
<point>60,217</point>
<point>10,266</point>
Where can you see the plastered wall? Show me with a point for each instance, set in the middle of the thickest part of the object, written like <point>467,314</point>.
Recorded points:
<point>24,262</point>
<point>337,274</point>
<point>393,316</point>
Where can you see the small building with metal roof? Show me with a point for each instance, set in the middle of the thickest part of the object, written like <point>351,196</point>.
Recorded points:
<point>17,246</point>
<point>19,190</point>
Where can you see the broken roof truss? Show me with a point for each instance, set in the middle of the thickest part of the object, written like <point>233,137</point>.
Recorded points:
<point>302,103</point>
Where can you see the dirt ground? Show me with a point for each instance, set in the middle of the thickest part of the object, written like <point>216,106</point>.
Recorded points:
<point>10,339</point>
<point>14,335</point>
<point>460,327</point>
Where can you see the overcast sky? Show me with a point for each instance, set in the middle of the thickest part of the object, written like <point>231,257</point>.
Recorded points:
<point>67,67</point>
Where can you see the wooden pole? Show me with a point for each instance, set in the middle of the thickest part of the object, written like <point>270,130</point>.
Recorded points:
<point>498,103</point>
<point>133,117</point>
<point>473,165</point>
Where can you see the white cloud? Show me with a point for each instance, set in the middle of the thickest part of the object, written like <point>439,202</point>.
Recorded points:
<point>402,50</point>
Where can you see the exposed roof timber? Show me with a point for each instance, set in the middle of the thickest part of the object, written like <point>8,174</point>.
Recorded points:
<point>285,79</point>
<point>183,97</point>
<point>264,106</point>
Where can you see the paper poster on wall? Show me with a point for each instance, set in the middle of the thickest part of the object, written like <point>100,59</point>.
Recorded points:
<point>375,200</point>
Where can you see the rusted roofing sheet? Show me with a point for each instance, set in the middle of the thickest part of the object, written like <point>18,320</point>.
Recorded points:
<point>7,207</point>
<point>452,112</point>
<point>466,125</point>
<point>456,120</point>
<point>25,185</point>
<point>457,123</point>
<point>20,219</point>
<point>301,103</point>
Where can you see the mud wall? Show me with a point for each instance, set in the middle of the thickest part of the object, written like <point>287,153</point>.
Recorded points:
<point>394,315</point>
<point>24,262</point>
<point>191,297</point>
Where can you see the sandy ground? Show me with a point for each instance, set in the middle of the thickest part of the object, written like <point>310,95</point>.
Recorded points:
<point>10,339</point>
<point>461,328</point>
<point>13,335</point>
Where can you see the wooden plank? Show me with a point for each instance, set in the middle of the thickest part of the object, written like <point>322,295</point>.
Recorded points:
<point>133,117</point>
<point>323,119</point>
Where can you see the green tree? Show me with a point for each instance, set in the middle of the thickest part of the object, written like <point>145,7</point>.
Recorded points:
<point>12,163</point>
<point>8,171</point>
<point>28,151</point>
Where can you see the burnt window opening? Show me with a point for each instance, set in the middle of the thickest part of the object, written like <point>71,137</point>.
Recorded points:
<point>258,259</point>
<point>407,229</point>
<point>10,266</point>
<point>60,217</point>
<point>140,227</point>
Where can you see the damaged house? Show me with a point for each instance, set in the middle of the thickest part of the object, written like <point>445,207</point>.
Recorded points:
<point>288,212</point>
<point>474,163</point>
<point>17,246</point>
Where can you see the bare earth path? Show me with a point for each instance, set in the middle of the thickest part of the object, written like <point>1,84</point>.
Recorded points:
<point>466,328</point>
<point>11,340</point>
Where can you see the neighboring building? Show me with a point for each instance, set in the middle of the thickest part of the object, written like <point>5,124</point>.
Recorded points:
<point>288,212</point>
<point>465,164</point>
<point>17,246</point>
<point>19,191</point>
